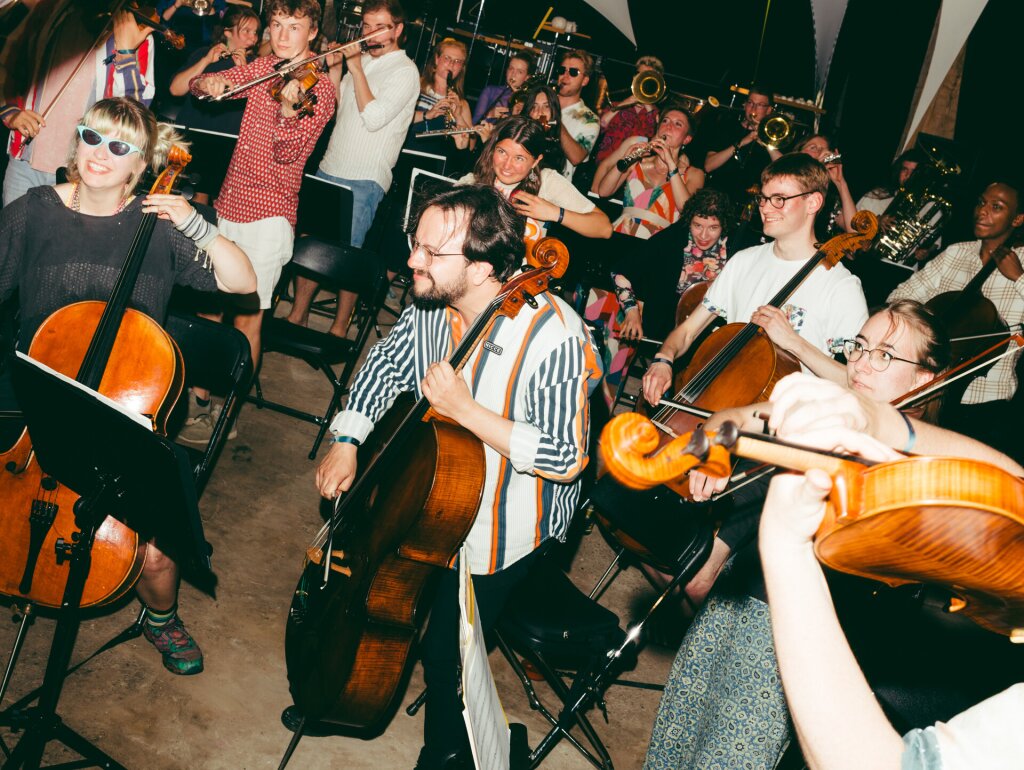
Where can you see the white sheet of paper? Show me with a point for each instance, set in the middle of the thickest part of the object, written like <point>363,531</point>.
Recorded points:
<point>485,718</point>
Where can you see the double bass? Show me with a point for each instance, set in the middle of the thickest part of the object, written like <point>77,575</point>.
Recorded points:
<point>357,609</point>
<point>125,355</point>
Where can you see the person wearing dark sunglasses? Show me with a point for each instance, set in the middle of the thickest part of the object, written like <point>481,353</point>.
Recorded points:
<point>580,124</point>
<point>64,244</point>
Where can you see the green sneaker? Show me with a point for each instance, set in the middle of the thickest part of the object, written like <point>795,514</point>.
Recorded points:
<point>179,650</point>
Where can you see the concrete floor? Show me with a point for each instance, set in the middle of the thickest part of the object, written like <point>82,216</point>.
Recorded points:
<point>260,512</point>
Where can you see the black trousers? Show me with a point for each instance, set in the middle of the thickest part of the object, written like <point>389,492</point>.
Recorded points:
<point>444,732</point>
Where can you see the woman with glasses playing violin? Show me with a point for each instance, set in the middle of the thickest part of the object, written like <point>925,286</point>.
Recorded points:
<point>903,639</point>
<point>234,45</point>
<point>66,243</point>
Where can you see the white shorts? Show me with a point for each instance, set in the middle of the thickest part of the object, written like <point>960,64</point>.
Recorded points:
<point>268,244</point>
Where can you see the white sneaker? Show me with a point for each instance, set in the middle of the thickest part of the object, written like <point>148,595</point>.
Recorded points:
<point>215,409</point>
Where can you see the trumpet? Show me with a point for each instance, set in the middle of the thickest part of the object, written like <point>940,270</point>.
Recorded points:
<point>282,68</point>
<point>200,7</point>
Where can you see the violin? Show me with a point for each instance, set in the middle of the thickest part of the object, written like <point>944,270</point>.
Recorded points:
<point>306,75</point>
<point>147,16</point>
<point>125,355</point>
<point>950,522</point>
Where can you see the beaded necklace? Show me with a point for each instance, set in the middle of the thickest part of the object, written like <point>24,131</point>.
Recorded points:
<point>76,204</point>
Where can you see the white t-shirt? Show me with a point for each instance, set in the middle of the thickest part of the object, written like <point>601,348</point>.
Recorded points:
<point>876,206</point>
<point>986,735</point>
<point>826,309</point>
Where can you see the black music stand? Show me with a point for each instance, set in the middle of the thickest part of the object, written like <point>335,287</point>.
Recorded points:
<point>123,470</point>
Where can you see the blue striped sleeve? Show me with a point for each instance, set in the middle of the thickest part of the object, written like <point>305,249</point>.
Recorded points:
<point>390,369</point>
<point>552,440</point>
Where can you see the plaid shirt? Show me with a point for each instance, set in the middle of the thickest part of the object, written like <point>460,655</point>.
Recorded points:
<point>952,270</point>
<point>265,174</point>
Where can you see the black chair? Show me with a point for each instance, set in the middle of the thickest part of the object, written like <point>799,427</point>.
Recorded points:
<point>335,268</point>
<point>559,629</point>
<point>218,358</point>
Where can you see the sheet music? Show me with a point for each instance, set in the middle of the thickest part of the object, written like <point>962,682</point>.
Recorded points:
<point>485,718</point>
<point>126,411</point>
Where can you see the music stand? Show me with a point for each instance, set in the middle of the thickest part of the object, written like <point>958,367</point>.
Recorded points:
<point>124,470</point>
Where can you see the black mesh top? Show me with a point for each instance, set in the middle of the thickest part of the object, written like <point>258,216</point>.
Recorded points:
<point>55,256</point>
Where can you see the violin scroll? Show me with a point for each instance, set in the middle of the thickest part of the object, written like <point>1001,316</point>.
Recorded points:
<point>177,158</point>
<point>628,439</point>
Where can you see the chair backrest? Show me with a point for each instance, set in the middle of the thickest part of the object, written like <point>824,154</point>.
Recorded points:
<point>217,356</point>
<point>422,185</point>
<point>325,210</point>
<point>336,267</point>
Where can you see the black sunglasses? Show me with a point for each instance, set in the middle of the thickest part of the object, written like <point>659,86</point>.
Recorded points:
<point>574,72</point>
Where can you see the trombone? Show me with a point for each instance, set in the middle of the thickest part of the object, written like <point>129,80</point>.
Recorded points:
<point>647,87</point>
<point>283,68</point>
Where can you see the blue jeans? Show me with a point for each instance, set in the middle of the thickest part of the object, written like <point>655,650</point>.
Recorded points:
<point>21,178</point>
<point>366,196</point>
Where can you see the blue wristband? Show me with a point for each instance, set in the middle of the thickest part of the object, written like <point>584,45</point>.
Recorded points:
<point>561,215</point>
<point>347,440</point>
<point>661,360</point>
<point>912,438</point>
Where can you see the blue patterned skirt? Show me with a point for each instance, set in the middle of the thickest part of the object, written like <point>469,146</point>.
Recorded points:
<point>723,706</point>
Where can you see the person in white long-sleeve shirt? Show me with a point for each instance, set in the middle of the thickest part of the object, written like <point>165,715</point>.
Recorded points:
<point>376,101</point>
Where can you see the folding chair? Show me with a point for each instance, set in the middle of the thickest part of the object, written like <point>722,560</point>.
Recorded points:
<point>334,267</point>
<point>555,626</point>
<point>218,358</point>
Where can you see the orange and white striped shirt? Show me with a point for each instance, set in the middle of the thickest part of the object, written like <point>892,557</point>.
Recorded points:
<point>536,369</point>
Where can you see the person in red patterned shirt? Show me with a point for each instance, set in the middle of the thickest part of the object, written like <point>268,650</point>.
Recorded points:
<point>629,117</point>
<point>259,199</point>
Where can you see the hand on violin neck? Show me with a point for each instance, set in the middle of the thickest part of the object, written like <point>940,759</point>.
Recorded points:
<point>447,392</point>
<point>128,33</point>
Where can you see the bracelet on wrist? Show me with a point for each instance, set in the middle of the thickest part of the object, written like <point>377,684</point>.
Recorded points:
<point>347,440</point>
<point>662,360</point>
<point>561,215</point>
<point>672,173</point>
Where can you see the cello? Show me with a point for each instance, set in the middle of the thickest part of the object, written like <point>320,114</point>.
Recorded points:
<point>738,364</point>
<point>127,356</point>
<point>356,611</point>
<point>950,522</point>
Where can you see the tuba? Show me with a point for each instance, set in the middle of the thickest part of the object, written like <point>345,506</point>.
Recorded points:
<point>919,209</point>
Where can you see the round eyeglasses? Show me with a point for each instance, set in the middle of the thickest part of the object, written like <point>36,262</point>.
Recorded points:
<point>429,255</point>
<point>117,147</point>
<point>878,358</point>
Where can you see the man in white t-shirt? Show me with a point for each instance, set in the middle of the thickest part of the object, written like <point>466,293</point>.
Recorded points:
<point>580,124</point>
<point>826,309</point>
<point>376,102</point>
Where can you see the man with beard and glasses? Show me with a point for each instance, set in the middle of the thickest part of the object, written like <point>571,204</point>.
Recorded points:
<point>524,395</point>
